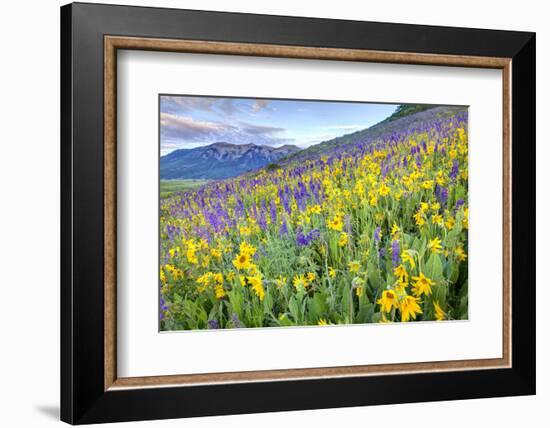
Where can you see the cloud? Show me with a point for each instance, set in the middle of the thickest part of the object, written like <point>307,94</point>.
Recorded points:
<point>186,104</point>
<point>258,105</point>
<point>189,129</point>
<point>189,104</point>
<point>250,128</point>
<point>178,131</point>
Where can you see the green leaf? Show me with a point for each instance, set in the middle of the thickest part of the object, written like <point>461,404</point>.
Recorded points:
<point>434,267</point>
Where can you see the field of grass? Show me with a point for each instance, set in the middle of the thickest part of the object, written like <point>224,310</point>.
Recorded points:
<point>374,231</point>
<point>168,187</point>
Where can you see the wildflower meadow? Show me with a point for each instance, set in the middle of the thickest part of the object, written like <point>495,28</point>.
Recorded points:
<point>369,232</point>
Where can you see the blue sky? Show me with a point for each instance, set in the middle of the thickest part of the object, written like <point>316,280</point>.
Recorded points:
<point>192,121</point>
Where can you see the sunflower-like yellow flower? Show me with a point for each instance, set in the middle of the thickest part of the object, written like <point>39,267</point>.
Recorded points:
<point>336,223</point>
<point>242,261</point>
<point>322,321</point>
<point>331,272</point>
<point>401,274</point>
<point>460,253</point>
<point>383,190</point>
<point>407,258</point>
<point>246,248</point>
<point>449,222</point>
<point>409,308</point>
<point>219,291</point>
<point>343,240</point>
<point>419,218</point>
<point>435,245</point>
<point>395,230</point>
<point>354,266</point>
<point>437,219</point>
<point>299,281</point>
<point>439,313</point>
<point>245,231</point>
<point>310,277</point>
<point>388,301</point>
<point>422,285</point>
<point>216,253</point>
<point>256,284</point>
<point>192,253</point>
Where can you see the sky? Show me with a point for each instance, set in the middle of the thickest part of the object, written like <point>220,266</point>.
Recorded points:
<point>191,121</point>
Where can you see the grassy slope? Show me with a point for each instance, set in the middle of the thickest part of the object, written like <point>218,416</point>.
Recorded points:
<point>167,187</point>
<point>393,123</point>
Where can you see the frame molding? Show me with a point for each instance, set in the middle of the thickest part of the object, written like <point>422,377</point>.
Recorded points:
<point>90,391</point>
<point>114,43</point>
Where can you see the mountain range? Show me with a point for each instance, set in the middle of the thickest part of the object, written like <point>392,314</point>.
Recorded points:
<point>224,160</point>
<point>220,160</point>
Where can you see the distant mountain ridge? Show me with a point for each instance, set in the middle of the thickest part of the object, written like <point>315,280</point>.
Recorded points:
<point>220,160</point>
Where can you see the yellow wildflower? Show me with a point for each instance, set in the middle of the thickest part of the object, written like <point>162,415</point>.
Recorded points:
<point>394,230</point>
<point>343,240</point>
<point>383,190</point>
<point>192,253</point>
<point>450,222</point>
<point>219,291</point>
<point>388,301</point>
<point>246,248</point>
<point>336,223</point>
<point>435,245</point>
<point>331,272</point>
<point>401,274</point>
<point>409,308</point>
<point>460,254</point>
<point>245,231</point>
<point>419,218</point>
<point>437,219</point>
<point>354,266</point>
<point>242,261</point>
<point>406,257</point>
<point>299,281</point>
<point>422,285</point>
<point>439,313</point>
<point>256,284</point>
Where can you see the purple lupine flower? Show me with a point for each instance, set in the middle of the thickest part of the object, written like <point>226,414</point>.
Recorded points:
<point>273,211</point>
<point>313,235</point>
<point>454,171</point>
<point>395,253</point>
<point>377,234</point>
<point>283,230</point>
<point>301,239</point>
<point>382,252</point>
<point>213,324</point>
<point>304,240</point>
<point>443,196</point>
<point>459,203</point>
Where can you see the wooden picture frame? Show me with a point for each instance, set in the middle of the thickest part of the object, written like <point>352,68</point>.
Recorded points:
<point>91,390</point>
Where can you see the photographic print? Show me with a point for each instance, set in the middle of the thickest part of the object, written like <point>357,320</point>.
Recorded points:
<point>282,212</point>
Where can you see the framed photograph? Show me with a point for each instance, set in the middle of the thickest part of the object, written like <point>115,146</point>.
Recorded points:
<point>265,213</point>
